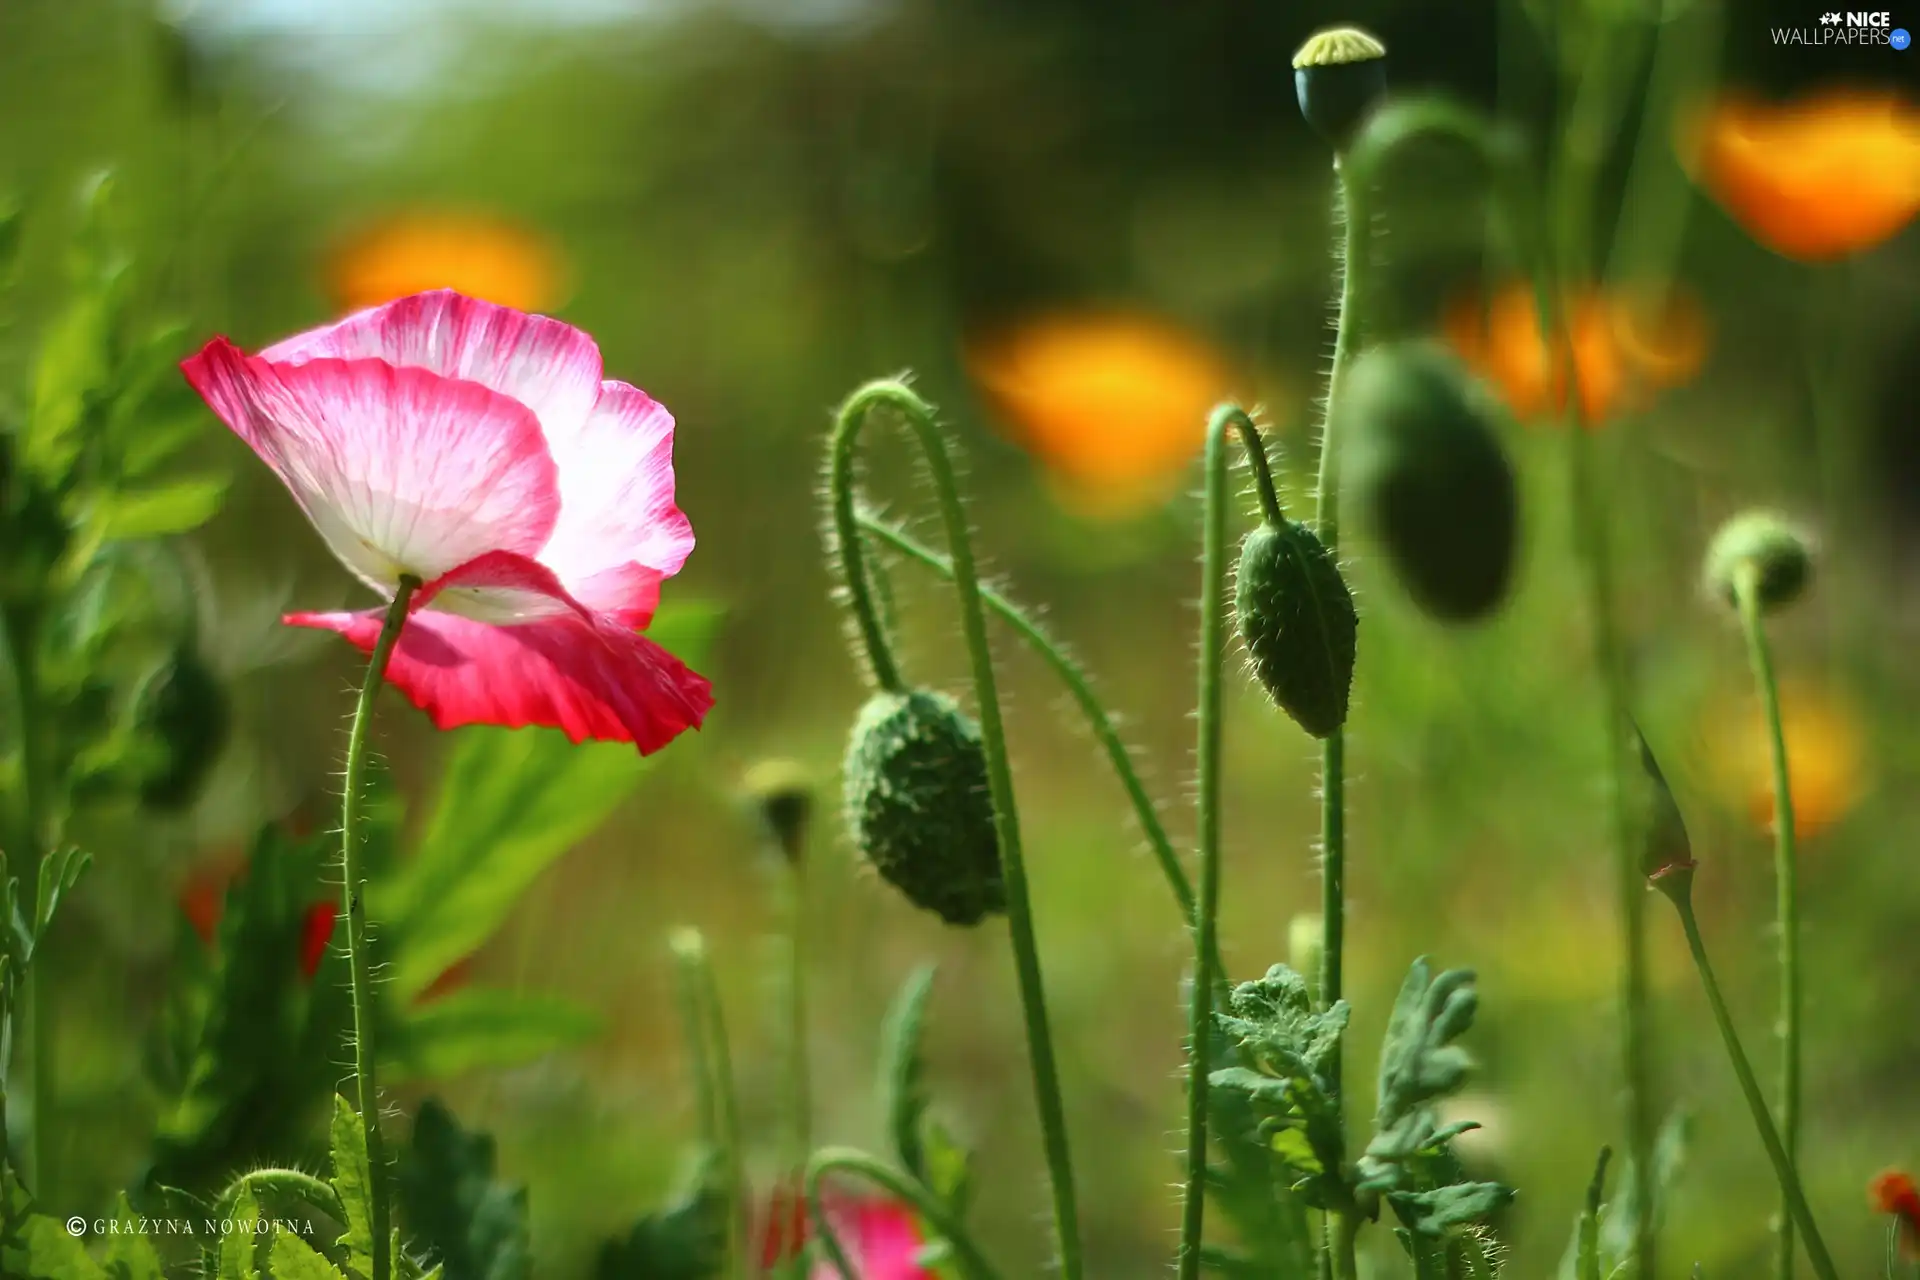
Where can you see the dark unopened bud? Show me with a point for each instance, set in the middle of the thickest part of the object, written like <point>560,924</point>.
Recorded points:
<point>1339,74</point>
<point>184,712</point>
<point>919,807</point>
<point>1426,465</point>
<point>1666,851</point>
<point>1297,619</point>
<point>1764,549</point>
<point>784,796</point>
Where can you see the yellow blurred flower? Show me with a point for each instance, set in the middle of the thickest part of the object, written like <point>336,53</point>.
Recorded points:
<point>1624,347</point>
<point>1826,757</point>
<point>1114,405</point>
<point>1818,178</point>
<point>483,257</point>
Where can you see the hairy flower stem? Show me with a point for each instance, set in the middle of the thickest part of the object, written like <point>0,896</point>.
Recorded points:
<point>973,1264</point>
<point>1207,806</point>
<point>1793,1198</point>
<point>353,890</point>
<point>1746,588</point>
<point>919,418</point>
<point>705,1028</point>
<point>1101,724</point>
<point>799,1076</point>
<point>1351,207</point>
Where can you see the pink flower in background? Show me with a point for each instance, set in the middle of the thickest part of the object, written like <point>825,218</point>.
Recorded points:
<point>881,1237</point>
<point>475,448</point>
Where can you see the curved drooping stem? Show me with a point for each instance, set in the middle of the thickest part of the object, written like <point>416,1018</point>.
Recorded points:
<point>846,1160</point>
<point>1793,1197</point>
<point>918,416</point>
<point>1081,690</point>
<point>1213,576</point>
<point>1746,590</point>
<point>353,890</point>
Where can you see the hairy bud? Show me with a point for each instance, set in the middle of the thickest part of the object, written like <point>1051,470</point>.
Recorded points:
<point>1339,74</point>
<point>1427,467</point>
<point>1297,619</point>
<point>918,804</point>
<point>1776,555</point>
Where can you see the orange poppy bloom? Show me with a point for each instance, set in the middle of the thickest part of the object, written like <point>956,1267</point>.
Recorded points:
<point>1623,349</point>
<point>1826,757</point>
<point>1114,405</point>
<point>481,257</point>
<point>1894,1193</point>
<point>1815,179</point>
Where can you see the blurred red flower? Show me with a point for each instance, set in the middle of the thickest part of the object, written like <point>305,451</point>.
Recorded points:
<point>1894,1192</point>
<point>881,1237</point>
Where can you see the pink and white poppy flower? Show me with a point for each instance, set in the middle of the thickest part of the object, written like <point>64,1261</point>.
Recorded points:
<point>476,449</point>
<point>881,1237</point>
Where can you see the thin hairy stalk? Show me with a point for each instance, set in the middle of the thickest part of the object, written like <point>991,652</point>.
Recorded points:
<point>705,1028</point>
<point>291,1183</point>
<point>850,553</point>
<point>1746,588</point>
<point>1080,689</point>
<point>938,1217</point>
<point>1213,558</point>
<point>919,418</point>
<point>353,890</point>
<point>1792,1196</point>
<point>799,1073</point>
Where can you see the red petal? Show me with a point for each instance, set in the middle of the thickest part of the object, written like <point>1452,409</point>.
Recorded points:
<point>316,931</point>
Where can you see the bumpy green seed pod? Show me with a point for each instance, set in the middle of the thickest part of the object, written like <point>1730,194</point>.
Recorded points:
<point>919,807</point>
<point>1425,464</point>
<point>184,711</point>
<point>1339,75</point>
<point>1766,545</point>
<point>1297,619</point>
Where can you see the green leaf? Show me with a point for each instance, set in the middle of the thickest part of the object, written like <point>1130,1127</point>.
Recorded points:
<point>1434,1212</point>
<point>130,1256</point>
<point>476,1226</point>
<point>353,1183</point>
<point>162,510</point>
<point>1582,1258</point>
<point>1669,1158</point>
<point>1664,843</point>
<point>52,1253</point>
<point>71,372</point>
<point>292,1258</point>
<point>949,1164</point>
<point>483,1028</point>
<point>58,874</point>
<point>903,1069</point>
<point>1474,1254</point>
<point>685,1240</point>
<point>239,1248</point>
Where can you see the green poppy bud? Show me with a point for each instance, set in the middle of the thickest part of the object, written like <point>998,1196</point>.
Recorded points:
<point>919,807</point>
<point>1427,468</point>
<point>1297,619</point>
<point>1773,551</point>
<point>184,711</point>
<point>784,796</point>
<point>1338,75</point>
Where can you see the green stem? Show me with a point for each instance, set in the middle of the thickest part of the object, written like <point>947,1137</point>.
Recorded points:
<point>846,548</point>
<point>1786,888</point>
<point>1207,807</point>
<point>1079,688</point>
<point>845,1160</point>
<point>353,889</point>
<point>799,1074</point>
<point>34,840</point>
<point>706,1032</point>
<point>1794,1198</point>
<point>1346,1235</point>
<point>918,416</point>
<point>291,1183</point>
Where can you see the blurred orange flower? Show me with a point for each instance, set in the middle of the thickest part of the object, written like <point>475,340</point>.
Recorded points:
<point>1624,347</point>
<point>1826,757</point>
<point>482,257</point>
<point>1114,405</point>
<point>1894,1193</point>
<point>1815,179</point>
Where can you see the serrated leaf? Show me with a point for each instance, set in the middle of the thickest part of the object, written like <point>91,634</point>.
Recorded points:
<point>1436,1211</point>
<point>1616,1220</point>
<point>49,1252</point>
<point>130,1255</point>
<point>483,1028</point>
<point>903,1069</point>
<point>239,1248</point>
<point>291,1258</point>
<point>353,1183</point>
<point>684,1240</point>
<point>58,874</point>
<point>476,1226</point>
<point>158,511</point>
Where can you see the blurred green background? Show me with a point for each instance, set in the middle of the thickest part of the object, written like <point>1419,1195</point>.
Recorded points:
<point>753,205</point>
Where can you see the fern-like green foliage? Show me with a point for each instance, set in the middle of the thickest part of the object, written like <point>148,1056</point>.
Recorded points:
<point>455,1209</point>
<point>924,1145</point>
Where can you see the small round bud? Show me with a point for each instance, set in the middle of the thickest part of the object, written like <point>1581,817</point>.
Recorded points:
<point>1306,945</point>
<point>1339,74</point>
<point>1297,620</point>
<point>1777,555</point>
<point>184,712</point>
<point>783,794</point>
<point>1426,465</point>
<point>919,807</point>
